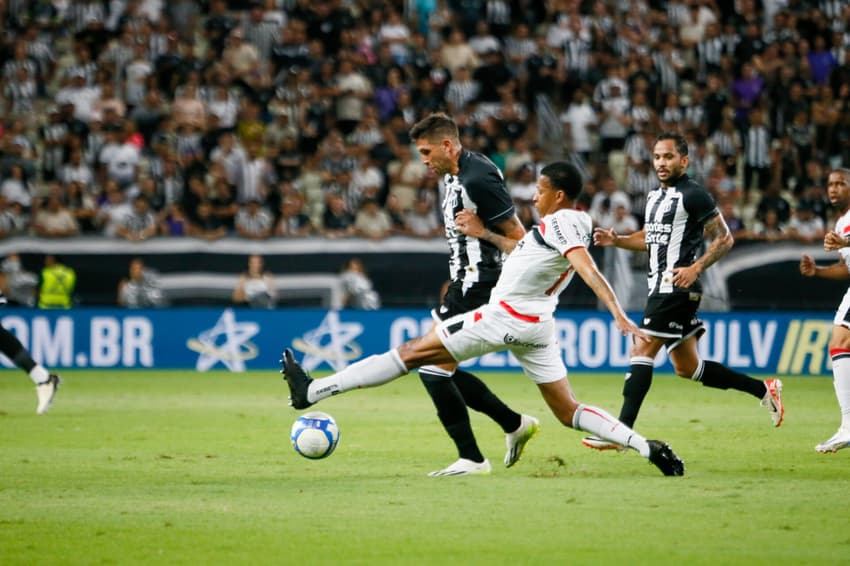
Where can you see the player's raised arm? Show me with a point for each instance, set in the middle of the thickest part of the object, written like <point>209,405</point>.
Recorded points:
<point>587,269</point>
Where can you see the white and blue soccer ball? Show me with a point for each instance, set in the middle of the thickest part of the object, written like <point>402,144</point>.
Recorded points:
<point>314,435</point>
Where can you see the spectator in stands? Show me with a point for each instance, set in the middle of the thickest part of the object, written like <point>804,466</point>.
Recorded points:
<point>242,61</point>
<point>205,225</point>
<point>614,122</point>
<point>774,200</point>
<point>222,197</point>
<point>770,228</point>
<point>352,90</point>
<point>188,109</point>
<point>359,291</point>
<point>254,221</point>
<point>405,175</point>
<point>786,167</point>
<point>736,224</point>
<point>53,219</point>
<point>141,288</point>
<point>140,223</point>
<point>422,220</point>
<point>456,52</point>
<point>462,90</point>
<point>815,197</point>
<point>580,122</point>
<point>112,210</point>
<point>56,284</point>
<point>372,221</point>
<point>367,182</point>
<point>119,158</point>
<point>757,142</point>
<point>77,171</point>
<point>255,287</point>
<point>174,221</point>
<point>522,187</point>
<point>805,226</point>
<point>606,200</point>
<point>16,188</point>
<point>293,220</point>
<point>337,221</point>
<point>13,219</point>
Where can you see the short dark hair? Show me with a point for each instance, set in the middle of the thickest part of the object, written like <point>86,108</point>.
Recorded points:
<point>565,177</point>
<point>434,125</point>
<point>842,171</point>
<point>678,139</point>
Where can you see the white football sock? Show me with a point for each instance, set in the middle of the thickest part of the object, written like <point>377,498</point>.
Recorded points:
<point>603,425</point>
<point>38,374</point>
<point>841,382</point>
<point>369,372</point>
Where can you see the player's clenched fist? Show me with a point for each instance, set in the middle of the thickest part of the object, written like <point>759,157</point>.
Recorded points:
<point>832,241</point>
<point>807,265</point>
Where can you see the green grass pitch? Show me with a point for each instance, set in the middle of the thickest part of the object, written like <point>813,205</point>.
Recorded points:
<point>178,467</point>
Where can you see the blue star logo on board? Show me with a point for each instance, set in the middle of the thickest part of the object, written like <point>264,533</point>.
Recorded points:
<point>332,342</point>
<point>227,342</point>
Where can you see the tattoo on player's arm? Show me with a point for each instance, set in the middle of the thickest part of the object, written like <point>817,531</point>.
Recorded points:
<point>717,232</point>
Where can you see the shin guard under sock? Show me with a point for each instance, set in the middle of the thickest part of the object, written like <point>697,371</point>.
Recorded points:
<point>637,384</point>
<point>719,376</point>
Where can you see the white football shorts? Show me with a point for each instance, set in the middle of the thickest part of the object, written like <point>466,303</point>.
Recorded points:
<point>491,328</point>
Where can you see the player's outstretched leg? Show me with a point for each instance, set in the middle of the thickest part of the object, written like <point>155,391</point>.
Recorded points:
<point>636,386</point>
<point>297,380</point>
<point>45,391</point>
<point>601,424</point>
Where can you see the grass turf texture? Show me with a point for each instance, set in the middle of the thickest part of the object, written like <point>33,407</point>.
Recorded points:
<point>168,467</point>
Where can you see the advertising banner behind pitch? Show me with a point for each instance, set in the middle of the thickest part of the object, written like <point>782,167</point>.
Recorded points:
<point>202,339</point>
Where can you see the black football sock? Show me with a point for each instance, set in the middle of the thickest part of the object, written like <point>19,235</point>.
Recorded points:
<point>452,412</point>
<point>637,384</point>
<point>478,396</point>
<point>15,351</point>
<point>719,376</point>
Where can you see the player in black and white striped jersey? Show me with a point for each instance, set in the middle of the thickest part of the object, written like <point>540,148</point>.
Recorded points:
<point>46,383</point>
<point>679,215</point>
<point>471,182</point>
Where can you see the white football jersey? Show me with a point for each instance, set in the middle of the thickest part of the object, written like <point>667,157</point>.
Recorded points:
<point>536,272</point>
<point>842,227</point>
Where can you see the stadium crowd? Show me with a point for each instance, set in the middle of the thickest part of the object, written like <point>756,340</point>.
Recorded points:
<point>284,118</point>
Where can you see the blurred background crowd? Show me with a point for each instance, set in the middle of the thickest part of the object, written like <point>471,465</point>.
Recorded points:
<point>286,118</point>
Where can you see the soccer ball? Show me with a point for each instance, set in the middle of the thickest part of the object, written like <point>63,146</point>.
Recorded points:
<point>314,435</point>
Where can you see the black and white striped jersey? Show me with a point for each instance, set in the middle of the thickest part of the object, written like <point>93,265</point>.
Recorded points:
<point>674,222</point>
<point>480,187</point>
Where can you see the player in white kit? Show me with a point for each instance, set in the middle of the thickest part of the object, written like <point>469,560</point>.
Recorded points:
<point>838,190</point>
<point>519,318</point>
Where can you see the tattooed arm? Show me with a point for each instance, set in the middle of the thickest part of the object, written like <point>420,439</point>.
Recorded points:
<point>720,242</point>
